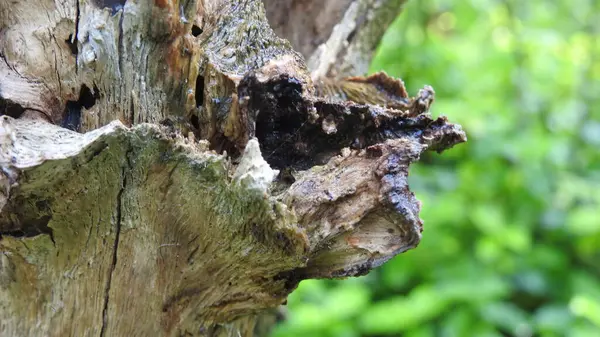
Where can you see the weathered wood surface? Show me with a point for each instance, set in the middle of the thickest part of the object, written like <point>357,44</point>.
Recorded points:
<point>171,168</point>
<point>337,37</point>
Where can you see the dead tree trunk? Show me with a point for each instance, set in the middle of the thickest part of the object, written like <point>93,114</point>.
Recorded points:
<point>173,168</point>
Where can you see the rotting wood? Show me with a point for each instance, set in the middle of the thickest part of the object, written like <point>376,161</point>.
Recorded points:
<point>140,146</point>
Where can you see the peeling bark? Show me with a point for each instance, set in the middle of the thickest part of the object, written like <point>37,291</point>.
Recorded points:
<point>175,168</point>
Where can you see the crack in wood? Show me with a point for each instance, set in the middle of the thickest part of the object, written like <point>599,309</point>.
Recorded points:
<point>113,265</point>
<point>76,36</point>
<point>120,44</point>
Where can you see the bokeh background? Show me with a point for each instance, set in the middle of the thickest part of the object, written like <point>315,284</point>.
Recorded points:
<point>511,245</point>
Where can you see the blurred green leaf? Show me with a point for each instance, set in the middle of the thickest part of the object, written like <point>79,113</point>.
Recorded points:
<point>553,318</point>
<point>458,322</point>
<point>508,317</point>
<point>584,220</point>
<point>400,313</point>
<point>586,307</point>
<point>473,288</point>
<point>346,302</point>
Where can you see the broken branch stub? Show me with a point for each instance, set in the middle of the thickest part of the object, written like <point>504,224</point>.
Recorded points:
<point>143,221</point>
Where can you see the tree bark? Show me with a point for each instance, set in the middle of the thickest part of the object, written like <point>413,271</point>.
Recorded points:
<point>337,37</point>
<point>174,168</point>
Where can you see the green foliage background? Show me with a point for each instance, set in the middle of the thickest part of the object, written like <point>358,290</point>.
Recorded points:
<point>511,245</point>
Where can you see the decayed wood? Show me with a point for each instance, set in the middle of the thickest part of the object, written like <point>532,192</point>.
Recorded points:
<point>108,226</point>
<point>169,167</point>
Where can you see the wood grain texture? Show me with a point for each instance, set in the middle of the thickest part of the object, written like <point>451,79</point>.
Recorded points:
<point>337,37</point>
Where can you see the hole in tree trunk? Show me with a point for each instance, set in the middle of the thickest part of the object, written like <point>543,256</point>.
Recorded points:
<point>281,125</point>
<point>196,30</point>
<point>351,36</point>
<point>72,114</point>
<point>28,219</point>
<point>195,122</point>
<point>199,95</point>
<point>31,228</point>
<point>114,5</point>
<point>72,44</point>
<point>9,108</point>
